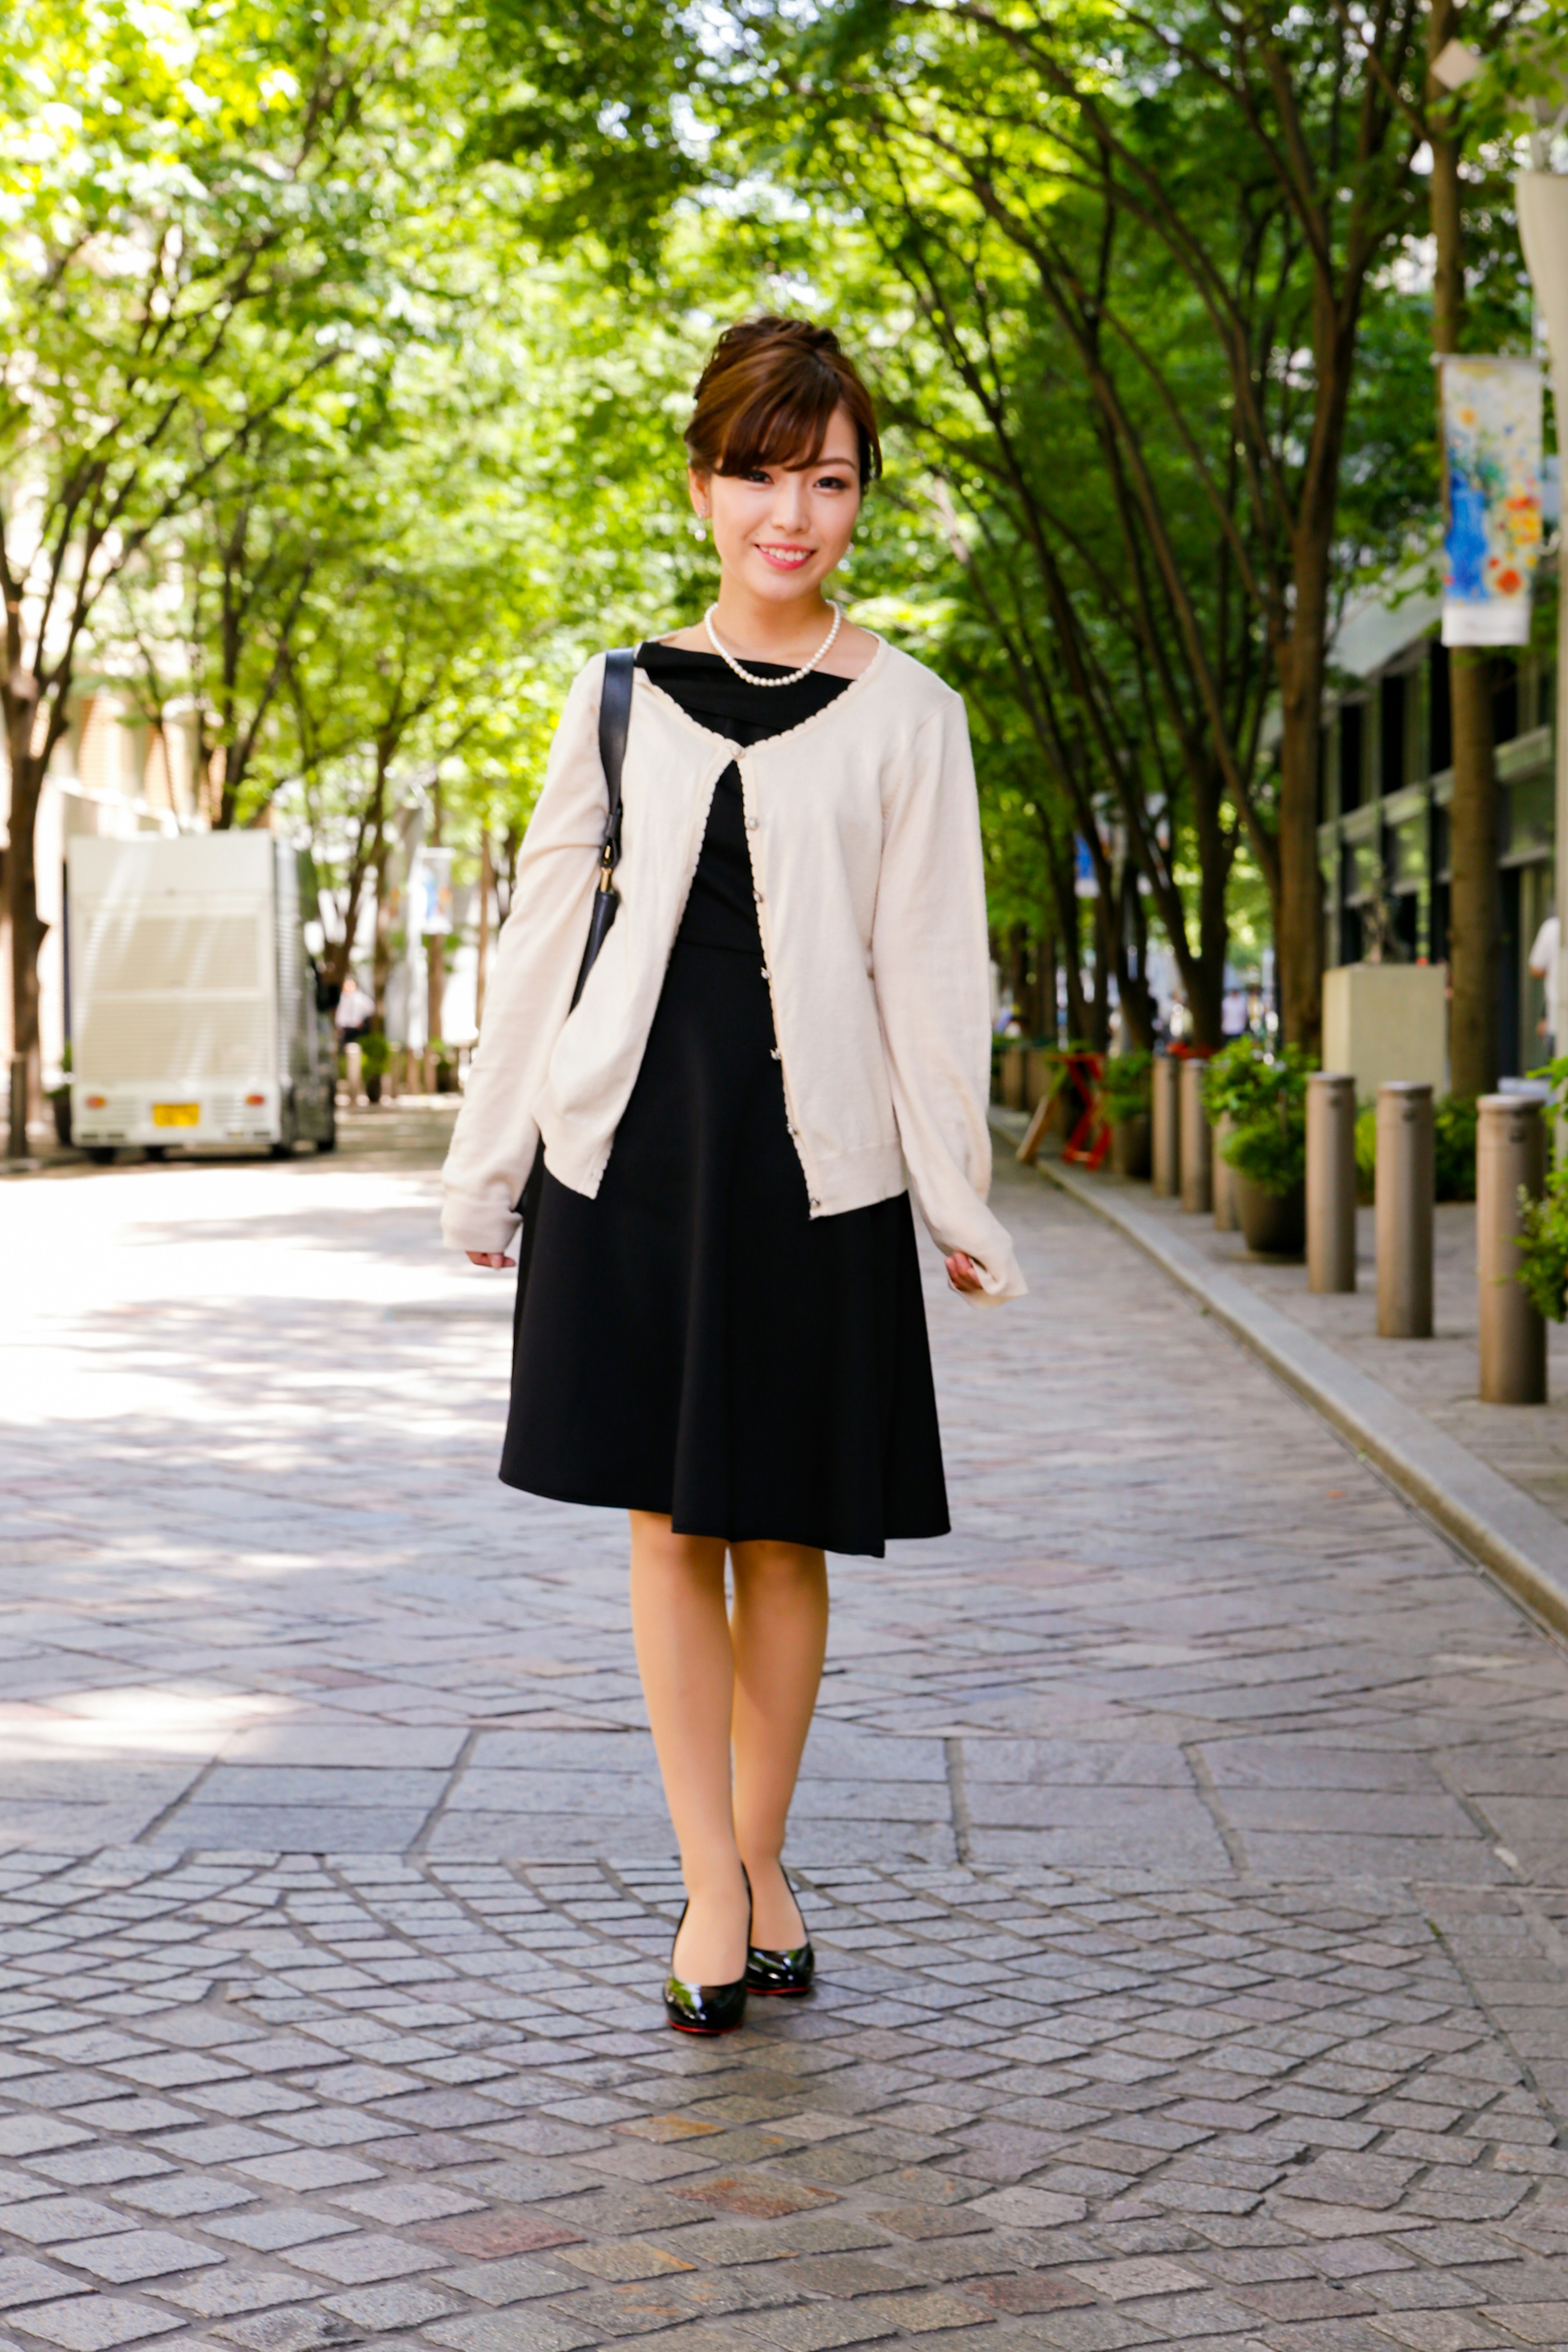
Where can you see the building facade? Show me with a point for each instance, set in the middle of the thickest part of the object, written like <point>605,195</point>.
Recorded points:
<point>1385,784</point>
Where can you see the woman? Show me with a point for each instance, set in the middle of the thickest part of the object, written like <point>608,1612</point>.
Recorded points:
<point>720,1324</point>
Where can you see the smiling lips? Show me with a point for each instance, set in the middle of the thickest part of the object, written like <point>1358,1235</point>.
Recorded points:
<point>785,559</point>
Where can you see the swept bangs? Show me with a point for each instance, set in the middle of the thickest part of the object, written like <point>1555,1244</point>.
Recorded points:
<point>769,393</point>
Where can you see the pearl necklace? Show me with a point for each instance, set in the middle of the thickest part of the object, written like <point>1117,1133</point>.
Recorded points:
<point>795,675</point>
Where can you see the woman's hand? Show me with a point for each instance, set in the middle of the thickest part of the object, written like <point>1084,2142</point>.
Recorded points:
<point>962,1273</point>
<point>489,1257</point>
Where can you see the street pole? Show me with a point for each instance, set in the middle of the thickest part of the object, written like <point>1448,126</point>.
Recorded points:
<point>1473,910</point>
<point>1542,198</point>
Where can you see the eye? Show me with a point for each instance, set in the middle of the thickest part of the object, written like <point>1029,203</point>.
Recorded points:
<point>832,482</point>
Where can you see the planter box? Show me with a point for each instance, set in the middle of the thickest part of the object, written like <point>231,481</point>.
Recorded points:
<point>1384,1021</point>
<point>1130,1145</point>
<point>1274,1224</point>
<point>1036,1076</point>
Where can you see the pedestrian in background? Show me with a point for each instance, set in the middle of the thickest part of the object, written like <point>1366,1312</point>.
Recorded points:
<point>720,1325</point>
<point>1543,954</point>
<point>355,1012</point>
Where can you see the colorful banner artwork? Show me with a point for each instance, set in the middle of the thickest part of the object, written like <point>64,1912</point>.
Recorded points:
<point>1491,439</point>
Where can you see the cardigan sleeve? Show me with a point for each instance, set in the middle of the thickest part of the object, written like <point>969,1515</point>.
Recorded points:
<point>929,962</point>
<point>530,993</point>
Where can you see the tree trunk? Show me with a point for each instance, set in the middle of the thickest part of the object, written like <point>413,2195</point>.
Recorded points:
<point>1131,983</point>
<point>1104,963</point>
<point>380,860</point>
<point>435,950</point>
<point>487,883</point>
<point>1046,973</point>
<point>21,886</point>
<point>1300,920</point>
<point>1067,924</point>
<point>1473,924</point>
<point>1472,866</point>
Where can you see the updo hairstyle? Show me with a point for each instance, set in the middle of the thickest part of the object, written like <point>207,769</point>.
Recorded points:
<point>768,394</point>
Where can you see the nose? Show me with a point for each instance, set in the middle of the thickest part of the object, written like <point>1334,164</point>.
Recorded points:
<point>790,505</point>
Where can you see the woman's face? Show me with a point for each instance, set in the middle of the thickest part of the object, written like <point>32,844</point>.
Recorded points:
<point>781,530</point>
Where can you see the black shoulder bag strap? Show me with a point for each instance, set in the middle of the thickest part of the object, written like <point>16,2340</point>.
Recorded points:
<point>615,718</point>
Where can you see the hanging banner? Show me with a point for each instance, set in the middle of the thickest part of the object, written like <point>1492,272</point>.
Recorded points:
<point>1491,444</point>
<point>430,889</point>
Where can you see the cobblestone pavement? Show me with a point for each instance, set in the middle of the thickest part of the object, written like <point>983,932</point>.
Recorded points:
<point>1184,1842</point>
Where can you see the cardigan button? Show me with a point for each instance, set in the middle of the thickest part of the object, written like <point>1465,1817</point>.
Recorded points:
<point>773,1054</point>
<point>814,1204</point>
<point>751,823</point>
<point>767,974</point>
<point>758,896</point>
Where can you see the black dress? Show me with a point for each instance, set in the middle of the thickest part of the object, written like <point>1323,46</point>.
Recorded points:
<point>692,1341</point>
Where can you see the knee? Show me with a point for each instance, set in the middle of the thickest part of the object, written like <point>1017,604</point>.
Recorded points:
<point>778,1568</point>
<point>658,1552</point>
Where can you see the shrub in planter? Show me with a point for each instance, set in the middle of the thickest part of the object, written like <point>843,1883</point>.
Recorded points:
<point>1543,1247</point>
<point>1263,1095</point>
<point>1454,1123</point>
<point>375,1061</point>
<point>1124,1106</point>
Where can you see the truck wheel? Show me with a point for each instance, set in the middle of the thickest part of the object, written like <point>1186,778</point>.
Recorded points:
<point>102,1155</point>
<point>156,1150</point>
<point>284,1147</point>
<point>329,1142</point>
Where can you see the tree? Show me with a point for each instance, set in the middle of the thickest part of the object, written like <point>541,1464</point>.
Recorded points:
<point>193,212</point>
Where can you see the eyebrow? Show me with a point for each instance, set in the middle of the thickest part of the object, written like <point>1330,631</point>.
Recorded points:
<point>811,465</point>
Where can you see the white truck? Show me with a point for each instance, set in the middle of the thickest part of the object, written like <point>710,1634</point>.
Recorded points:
<point>194,1009</point>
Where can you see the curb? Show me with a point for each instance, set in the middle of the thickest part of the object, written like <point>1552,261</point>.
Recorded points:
<point>1513,1537</point>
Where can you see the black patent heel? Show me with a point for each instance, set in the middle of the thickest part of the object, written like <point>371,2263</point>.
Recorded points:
<point>782,1973</point>
<point>707,2009</point>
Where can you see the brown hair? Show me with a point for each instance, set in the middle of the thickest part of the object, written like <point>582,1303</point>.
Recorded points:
<point>767,397</point>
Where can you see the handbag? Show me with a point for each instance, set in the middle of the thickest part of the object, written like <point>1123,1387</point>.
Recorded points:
<point>615,719</point>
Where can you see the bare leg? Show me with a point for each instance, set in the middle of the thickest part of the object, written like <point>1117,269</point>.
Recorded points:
<point>779,1628</point>
<point>683,1638</point>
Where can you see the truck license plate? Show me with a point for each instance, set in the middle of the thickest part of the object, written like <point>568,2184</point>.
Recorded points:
<point>176,1114</point>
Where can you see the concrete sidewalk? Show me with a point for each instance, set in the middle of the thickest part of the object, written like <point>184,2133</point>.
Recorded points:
<point>1495,1478</point>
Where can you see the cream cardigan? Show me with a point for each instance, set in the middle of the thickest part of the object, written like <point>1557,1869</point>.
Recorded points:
<point>865,859</point>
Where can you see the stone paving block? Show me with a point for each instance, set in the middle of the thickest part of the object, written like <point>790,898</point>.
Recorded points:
<point>1444,2331</point>
<point>304,2168</point>
<point>51,2219</point>
<point>284,2331</point>
<point>132,2255</point>
<point>510,2331</point>
<point>23,2280</point>
<point>363,2259</point>
<point>812,2327</point>
<point>217,2294</point>
<point>395,2306</point>
<point>516,2280</point>
<point>276,2226</point>
<point>180,2194</point>
<point>97,2323</point>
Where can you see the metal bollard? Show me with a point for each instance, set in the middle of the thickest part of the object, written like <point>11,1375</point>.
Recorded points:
<point>1166,1104</point>
<point>1405,1180</point>
<point>1330,1181</point>
<point>1225,1217</point>
<point>1510,1152</point>
<point>1196,1146</point>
